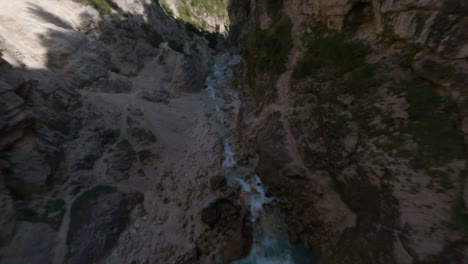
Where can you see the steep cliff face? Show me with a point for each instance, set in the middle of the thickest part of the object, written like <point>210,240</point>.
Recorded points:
<point>210,15</point>
<point>102,122</point>
<point>357,113</point>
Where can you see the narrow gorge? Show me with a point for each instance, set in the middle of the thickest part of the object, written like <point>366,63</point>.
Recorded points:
<point>233,131</point>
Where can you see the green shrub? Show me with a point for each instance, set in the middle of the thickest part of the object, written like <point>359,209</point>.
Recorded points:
<point>185,12</point>
<point>151,36</point>
<point>442,178</point>
<point>190,12</point>
<point>333,50</point>
<point>339,126</point>
<point>408,58</point>
<point>124,145</point>
<point>433,123</point>
<point>166,8</point>
<point>459,218</point>
<point>274,6</point>
<point>142,134</point>
<point>216,8</point>
<point>176,46</point>
<point>269,49</point>
<point>104,6</point>
<point>363,79</point>
<point>80,214</point>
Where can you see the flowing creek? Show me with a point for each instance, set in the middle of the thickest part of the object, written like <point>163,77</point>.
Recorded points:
<point>270,239</point>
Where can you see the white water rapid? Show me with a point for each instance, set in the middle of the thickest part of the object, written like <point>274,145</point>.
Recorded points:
<point>271,242</point>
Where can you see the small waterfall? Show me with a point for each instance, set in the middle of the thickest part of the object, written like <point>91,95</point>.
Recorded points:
<point>271,240</point>
<point>229,160</point>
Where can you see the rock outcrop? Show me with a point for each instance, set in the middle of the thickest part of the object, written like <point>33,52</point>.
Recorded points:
<point>356,111</point>
<point>98,218</point>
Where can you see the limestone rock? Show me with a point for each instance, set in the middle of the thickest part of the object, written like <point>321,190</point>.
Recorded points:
<point>224,215</point>
<point>98,221</point>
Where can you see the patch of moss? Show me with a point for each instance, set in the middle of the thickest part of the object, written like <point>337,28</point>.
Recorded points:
<point>127,30</point>
<point>104,6</point>
<point>53,214</point>
<point>166,8</point>
<point>408,58</point>
<point>363,79</point>
<point>442,178</point>
<point>124,145</point>
<point>80,214</point>
<point>185,12</point>
<point>216,8</point>
<point>110,136</point>
<point>433,123</point>
<point>339,125</point>
<point>274,6</point>
<point>142,134</point>
<point>459,217</point>
<point>333,50</point>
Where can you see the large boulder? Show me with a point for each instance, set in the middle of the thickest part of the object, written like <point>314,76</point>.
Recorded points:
<point>224,216</point>
<point>98,217</point>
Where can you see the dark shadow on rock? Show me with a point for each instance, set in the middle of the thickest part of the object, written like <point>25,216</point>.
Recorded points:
<point>48,17</point>
<point>44,105</point>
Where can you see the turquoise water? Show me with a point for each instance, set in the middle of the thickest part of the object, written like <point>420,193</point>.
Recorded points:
<point>271,242</point>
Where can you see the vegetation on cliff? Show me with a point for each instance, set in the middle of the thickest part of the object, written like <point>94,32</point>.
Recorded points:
<point>80,211</point>
<point>269,48</point>
<point>267,51</point>
<point>433,123</point>
<point>195,12</point>
<point>52,214</point>
<point>104,6</point>
<point>333,51</point>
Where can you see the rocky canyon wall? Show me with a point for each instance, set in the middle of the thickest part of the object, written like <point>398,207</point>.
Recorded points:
<point>101,126</point>
<point>357,113</point>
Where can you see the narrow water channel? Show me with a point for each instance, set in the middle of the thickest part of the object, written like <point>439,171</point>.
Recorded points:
<point>271,242</point>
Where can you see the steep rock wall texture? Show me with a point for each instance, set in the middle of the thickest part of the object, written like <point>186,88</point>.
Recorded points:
<point>101,124</point>
<point>361,126</point>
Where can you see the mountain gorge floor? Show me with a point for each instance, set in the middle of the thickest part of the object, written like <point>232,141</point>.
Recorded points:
<point>109,144</point>
<point>199,131</point>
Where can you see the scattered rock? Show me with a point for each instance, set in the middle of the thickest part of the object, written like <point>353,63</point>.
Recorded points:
<point>217,182</point>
